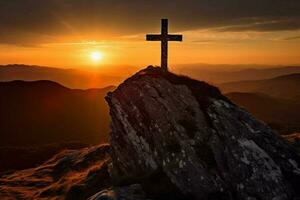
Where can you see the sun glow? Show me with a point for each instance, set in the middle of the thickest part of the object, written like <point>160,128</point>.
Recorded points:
<point>96,56</point>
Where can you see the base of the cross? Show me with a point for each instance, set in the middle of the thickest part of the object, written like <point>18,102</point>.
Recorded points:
<point>164,68</point>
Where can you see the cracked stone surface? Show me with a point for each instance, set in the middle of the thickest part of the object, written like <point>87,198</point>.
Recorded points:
<point>191,136</point>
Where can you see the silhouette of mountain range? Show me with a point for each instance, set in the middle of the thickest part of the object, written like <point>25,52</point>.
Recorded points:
<point>72,78</point>
<point>286,86</point>
<point>218,74</point>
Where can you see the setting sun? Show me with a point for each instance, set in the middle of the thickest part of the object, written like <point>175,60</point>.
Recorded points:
<point>96,56</point>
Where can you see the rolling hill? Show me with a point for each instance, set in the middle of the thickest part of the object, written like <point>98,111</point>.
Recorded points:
<point>42,112</point>
<point>39,119</point>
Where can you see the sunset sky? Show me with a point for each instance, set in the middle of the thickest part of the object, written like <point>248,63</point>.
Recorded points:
<point>68,33</point>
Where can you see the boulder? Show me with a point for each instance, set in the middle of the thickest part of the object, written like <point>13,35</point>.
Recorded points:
<point>181,138</point>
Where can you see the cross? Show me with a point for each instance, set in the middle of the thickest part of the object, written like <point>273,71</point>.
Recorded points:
<point>164,37</point>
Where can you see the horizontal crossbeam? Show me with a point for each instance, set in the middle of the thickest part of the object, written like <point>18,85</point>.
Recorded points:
<point>154,37</point>
<point>175,38</point>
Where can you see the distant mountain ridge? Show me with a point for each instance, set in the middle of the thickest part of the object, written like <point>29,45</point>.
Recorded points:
<point>286,86</point>
<point>219,74</point>
<point>40,84</point>
<point>72,78</point>
<point>113,75</point>
<point>295,76</point>
<point>45,84</point>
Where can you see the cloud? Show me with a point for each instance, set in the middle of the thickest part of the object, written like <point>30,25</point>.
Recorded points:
<point>203,41</point>
<point>265,26</point>
<point>292,38</point>
<point>33,21</point>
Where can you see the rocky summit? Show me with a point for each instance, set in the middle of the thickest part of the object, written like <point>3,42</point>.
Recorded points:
<point>182,139</point>
<point>171,137</point>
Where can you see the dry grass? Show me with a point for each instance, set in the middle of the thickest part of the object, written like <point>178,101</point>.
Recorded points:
<point>64,175</point>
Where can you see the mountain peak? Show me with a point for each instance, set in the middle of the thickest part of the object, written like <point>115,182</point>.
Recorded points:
<point>179,137</point>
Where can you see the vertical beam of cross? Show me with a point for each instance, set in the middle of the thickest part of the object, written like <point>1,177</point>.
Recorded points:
<point>164,37</point>
<point>164,44</point>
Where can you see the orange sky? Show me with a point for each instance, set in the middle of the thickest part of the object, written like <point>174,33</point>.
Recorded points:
<point>65,33</point>
<point>202,46</point>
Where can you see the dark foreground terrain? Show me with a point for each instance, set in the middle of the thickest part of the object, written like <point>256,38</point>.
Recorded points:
<point>28,157</point>
<point>71,174</point>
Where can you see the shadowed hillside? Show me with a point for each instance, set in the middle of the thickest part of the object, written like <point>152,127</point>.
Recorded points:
<point>41,118</point>
<point>281,114</point>
<point>42,112</point>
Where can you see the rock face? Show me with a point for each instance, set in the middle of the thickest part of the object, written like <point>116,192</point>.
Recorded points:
<point>181,137</point>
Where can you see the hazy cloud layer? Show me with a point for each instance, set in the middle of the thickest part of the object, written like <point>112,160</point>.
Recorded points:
<point>32,21</point>
<point>293,38</point>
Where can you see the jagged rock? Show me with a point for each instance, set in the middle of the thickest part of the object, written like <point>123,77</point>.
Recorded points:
<point>175,135</point>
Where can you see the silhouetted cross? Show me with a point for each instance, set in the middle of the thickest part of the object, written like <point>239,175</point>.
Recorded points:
<point>164,37</point>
